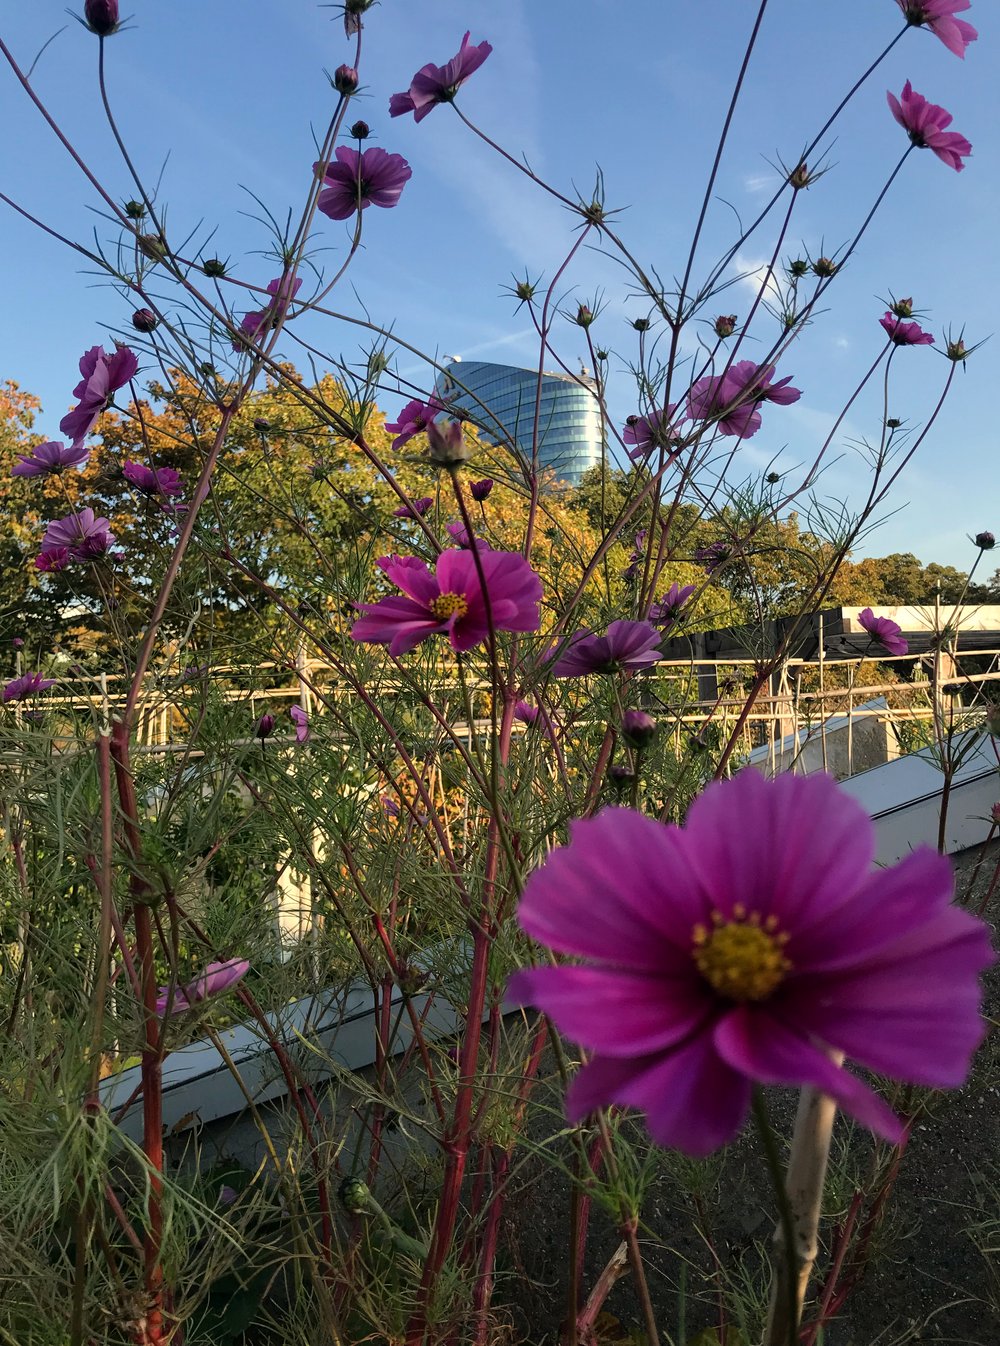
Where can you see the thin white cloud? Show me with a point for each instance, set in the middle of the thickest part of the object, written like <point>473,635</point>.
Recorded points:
<point>754,273</point>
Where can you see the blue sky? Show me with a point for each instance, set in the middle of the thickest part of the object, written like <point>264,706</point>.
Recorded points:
<point>227,93</point>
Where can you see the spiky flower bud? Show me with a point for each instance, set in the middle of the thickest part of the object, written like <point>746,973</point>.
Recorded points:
<point>101,16</point>
<point>584,316</point>
<point>134,210</point>
<point>725,325</point>
<point>361,130</point>
<point>144,320</point>
<point>638,728</point>
<point>903,308</point>
<point>354,1195</point>
<point>212,266</point>
<point>345,80</point>
<point>798,268</point>
<point>985,541</point>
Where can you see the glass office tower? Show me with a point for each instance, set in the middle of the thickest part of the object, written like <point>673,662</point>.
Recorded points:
<point>500,401</point>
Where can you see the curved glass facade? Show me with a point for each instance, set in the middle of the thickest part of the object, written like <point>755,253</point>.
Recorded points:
<point>500,401</point>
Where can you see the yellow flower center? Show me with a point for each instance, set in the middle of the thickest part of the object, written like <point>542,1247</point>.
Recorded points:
<point>449,605</point>
<point>742,958</point>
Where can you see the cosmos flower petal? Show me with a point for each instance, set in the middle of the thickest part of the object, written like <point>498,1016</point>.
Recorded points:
<point>777,861</point>
<point>671,1090</point>
<point>756,1044</point>
<point>612,1011</point>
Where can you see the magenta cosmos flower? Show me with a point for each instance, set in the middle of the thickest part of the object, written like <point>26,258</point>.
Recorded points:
<point>939,17</point>
<point>746,384</point>
<point>627,645</point>
<point>51,457</point>
<point>667,610</point>
<point>355,181</point>
<point>925,122</point>
<point>282,290</point>
<point>216,978</point>
<point>433,84</point>
<point>884,630</point>
<point>415,417</point>
<point>415,510</point>
<point>746,947</point>
<point>103,375</point>
<point>655,431</point>
<point>82,535</point>
<point>449,600</point>
<point>301,721</point>
<point>26,685</point>
<point>902,333</point>
<point>153,481</point>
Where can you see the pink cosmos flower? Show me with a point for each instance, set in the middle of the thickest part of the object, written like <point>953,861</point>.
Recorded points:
<point>52,560</point>
<point>627,645</point>
<point>748,385</point>
<point>82,534</point>
<point>283,290</point>
<point>714,556</point>
<point>480,490</point>
<point>216,978</point>
<point>301,722</point>
<point>884,630</point>
<point>654,431</point>
<point>747,947</point>
<point>668,608</point>
<point>103,375</point>
<point>415,417</point>
<point>416,510</point>
<point>433,84</point>
<point>458,532</point>
<point>449,600</point>
<point>939,16</point>
<point>48,458</point>
<point>26,685</point>
<point>902,333</point>
<point>355,181</point>
<point>153,481</point>
<point>925,122</point>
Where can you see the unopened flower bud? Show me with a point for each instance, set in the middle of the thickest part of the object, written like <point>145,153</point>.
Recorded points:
<point>345,79</point>
<point>213,267</point>
<point>144,320</point>
<point>447,444</point>
<point>594,212</point>
<point>621,776</point>
<point>153,247</point>
<point>956,350</point>
<point>985,541</point>
<point>773,478</point>
<point>639,728</point>
<point>903,308</point>
<point>798,268</point>
<point>101,16</point>
<point>584,316</point>
<point>799,176</point>
<point>641,324</point>
<point>725,325</point>
<point>378,363</point>
<point>361,130</point>
<point>265,727</point>
<point>600,354</point>
<point>893,423</point>
<point>261,423</point>
<point>524,290</point>
<point>479,490</point>
<point>354,1195</point>
<point>134,210</point>
<point>824,267</point>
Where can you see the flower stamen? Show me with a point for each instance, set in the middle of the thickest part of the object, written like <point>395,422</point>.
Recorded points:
<point>446,606</point>
<point>742,958</point>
